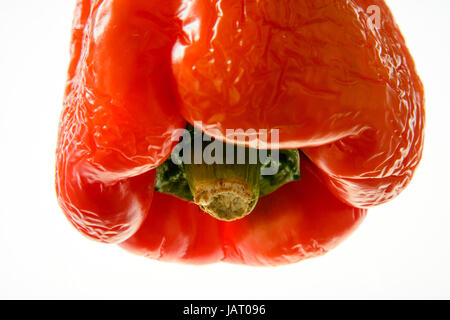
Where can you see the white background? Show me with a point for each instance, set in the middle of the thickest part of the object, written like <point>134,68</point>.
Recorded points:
<point>400,251</point>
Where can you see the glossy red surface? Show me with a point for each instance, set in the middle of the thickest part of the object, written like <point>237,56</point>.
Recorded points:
<point>343,90</point>
<point>336,86</point>
<point>119,115</point>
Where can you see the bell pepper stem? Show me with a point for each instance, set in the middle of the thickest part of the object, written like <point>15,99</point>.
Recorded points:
<point>226,192</point>
<point>229,187</point>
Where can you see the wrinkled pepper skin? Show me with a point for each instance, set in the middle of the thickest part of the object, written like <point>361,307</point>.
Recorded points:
<point>119,113</point>
<point>343,91</point>
<point>337,87</point>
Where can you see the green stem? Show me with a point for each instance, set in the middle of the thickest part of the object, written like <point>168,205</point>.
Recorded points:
<point>227,191</point>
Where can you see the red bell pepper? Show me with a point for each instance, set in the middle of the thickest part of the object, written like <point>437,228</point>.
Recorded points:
<point>337,87</point>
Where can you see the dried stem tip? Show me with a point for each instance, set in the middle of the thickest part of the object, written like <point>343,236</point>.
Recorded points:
<point>225,200</point>
<point>226,192</point>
